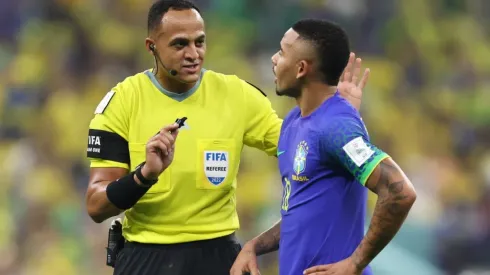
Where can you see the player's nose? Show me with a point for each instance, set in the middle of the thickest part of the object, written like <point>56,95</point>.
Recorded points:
<point>273,59</point>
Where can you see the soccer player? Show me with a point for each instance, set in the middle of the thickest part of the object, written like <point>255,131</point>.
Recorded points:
<point>179,218</point>
<point>327,163</point>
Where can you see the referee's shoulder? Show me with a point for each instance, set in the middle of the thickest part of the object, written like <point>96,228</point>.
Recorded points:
<point>232,81</point>
<point>130,85</point>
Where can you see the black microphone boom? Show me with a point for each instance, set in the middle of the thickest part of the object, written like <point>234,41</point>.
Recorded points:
<point>172,72</point>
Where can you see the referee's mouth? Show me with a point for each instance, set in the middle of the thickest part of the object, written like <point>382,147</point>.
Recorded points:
<point>191,69</point>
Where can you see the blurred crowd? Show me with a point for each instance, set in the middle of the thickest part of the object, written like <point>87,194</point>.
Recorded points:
<point>427,104</point>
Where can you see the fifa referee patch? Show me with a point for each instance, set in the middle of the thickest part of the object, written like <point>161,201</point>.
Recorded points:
<point>358,151</point>
<point>216,166</point>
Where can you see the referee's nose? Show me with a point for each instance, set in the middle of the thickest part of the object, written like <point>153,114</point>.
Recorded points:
<point>191,53</point>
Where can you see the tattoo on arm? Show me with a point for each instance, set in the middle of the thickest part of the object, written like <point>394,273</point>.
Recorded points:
<point>269,240</point>
<point>395,198</point>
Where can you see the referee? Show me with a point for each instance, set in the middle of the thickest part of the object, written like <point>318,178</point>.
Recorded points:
<point>179,218</point>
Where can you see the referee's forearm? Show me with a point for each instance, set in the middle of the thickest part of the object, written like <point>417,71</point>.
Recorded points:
<point>268,241</point>
<point>99,207</point>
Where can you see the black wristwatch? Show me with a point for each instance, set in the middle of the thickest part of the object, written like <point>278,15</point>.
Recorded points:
<point>142,179</point>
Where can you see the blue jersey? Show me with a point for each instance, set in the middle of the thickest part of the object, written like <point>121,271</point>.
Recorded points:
<point>324,159</point>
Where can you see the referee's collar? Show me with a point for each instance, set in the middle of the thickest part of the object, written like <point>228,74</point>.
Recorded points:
<point>176,96</point>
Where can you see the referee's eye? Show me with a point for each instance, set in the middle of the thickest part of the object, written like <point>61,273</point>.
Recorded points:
<point>200,43</point>
<point>180,43</point>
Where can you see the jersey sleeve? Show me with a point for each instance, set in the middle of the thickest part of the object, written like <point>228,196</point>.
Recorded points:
<point>262,125</point>
<point>345,141</point>
<point>108,133</point>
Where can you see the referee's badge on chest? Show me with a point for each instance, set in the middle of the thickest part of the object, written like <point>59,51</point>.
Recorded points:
<point>216,166</point>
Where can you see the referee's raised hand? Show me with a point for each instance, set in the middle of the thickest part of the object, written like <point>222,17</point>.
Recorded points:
<point>160,151</point>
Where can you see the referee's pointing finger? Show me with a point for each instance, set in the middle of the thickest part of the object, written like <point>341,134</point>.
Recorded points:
<point>170,128</point>
<point>173,129</point>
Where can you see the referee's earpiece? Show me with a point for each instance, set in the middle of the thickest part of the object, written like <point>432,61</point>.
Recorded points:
<point>153,50</point>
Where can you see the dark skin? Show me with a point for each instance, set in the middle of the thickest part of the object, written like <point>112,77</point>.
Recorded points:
<point>180,44</point>
<point>396,196</point>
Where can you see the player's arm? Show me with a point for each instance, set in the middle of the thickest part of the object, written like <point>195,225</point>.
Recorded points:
<point>266,242</point>
<point>396,196</point>
<point>345,141</point>
<point>262,125</point>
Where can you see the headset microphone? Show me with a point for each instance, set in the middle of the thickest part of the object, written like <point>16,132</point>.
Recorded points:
<point>172,72</point>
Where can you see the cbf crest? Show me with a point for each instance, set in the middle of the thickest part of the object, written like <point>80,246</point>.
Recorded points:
<point>300,157</point>
<point>216,166</point>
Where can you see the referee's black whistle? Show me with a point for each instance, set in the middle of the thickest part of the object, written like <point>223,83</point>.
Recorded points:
<point>179,121</point>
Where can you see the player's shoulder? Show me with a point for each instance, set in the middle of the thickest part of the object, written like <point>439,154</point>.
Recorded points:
<point>342,116</point>
<point>231,81</point>
<point>291,115</point>
<point>339,106</point>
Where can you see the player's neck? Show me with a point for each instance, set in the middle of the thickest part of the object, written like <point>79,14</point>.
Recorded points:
<point>312,96</point>
<point>172,85</point>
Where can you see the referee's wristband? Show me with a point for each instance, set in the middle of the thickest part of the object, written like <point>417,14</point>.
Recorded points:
<point>125,192</point>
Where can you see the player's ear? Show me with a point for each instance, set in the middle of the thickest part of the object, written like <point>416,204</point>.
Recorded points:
<point>303,67</point>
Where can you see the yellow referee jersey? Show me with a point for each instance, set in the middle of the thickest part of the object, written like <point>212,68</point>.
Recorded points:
<point>194,198</point>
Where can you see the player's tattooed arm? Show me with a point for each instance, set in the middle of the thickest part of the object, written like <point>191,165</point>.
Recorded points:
<point>268,241</point>
<point>396,196</point>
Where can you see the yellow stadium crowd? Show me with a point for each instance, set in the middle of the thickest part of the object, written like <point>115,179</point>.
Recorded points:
<point>427,104</point>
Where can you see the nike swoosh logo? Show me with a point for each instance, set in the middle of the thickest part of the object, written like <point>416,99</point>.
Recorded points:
<point>280,153</point>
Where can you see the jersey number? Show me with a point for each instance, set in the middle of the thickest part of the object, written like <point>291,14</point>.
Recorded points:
<point>287,193</point>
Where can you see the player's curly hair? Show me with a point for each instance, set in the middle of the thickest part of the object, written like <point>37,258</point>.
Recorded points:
<point>331,44</point>
<point>161,7</point>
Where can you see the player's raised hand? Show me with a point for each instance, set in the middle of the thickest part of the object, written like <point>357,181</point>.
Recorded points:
<point>160,151</point>
<point>351,84</point>
<point>345,267</point>
<point>246,262</point>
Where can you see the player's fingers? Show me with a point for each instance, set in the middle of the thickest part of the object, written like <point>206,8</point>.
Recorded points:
<point>364,79</point>
<point>356,71</point>
<point>254,270</point>
<point>316,269</point>
<point>235,271</point>
<point>346,76</point>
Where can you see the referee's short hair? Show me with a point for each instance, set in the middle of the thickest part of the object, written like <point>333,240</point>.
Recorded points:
<point>161,7</point>
<point>331,45</point>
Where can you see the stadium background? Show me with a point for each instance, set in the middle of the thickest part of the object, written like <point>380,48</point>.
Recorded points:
<point>426,104</point>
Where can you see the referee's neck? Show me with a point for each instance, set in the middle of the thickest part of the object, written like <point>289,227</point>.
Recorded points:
<point>313,95</point>
<point>173,84</point>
